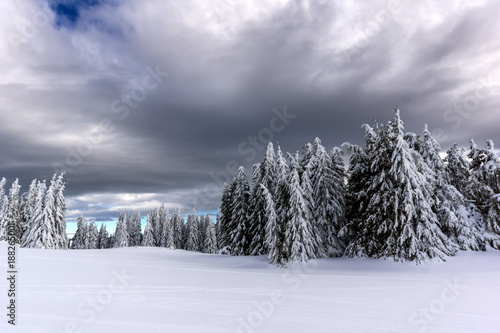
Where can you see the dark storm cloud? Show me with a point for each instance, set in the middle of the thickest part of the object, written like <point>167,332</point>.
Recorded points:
<point>333,66</point>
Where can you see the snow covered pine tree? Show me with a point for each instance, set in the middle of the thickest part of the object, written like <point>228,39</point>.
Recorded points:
<point>398,221</point>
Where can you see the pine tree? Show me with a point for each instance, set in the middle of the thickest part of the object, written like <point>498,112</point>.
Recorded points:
<point>281,202</point>
<point>460,220</point>
<point>102,237</point>
<point>192,243</point>
<point>456,216</point>
<point>326,198</point>
<point>307,155</point>
<point>168,233</point>
<point>360,175</point>
<point>78,240</point>
<point>23,221</point>
<point>202,228</point>
<point>161,220</point>
<point>155,227</point>
<point>121,234</point>
<point>478,188</point>
<point>299,244</point>
<point>50,230</point>
<point>484,188</point>
<point>217,225</point>
<point>336,211</point>
<point>60,211</point>
<point>238,235</point>
<point>86,236</point>
<point>398,221</point>
<point>47,225</point>
<point>40,234</point>
<point>257,214</point>
<point>273,231</point>
<point>110,241</point>
<point>175,230</point>
<point>134,229</point>
<point>485,165</point>
<point>295,162</point>
<point>13,214</point>
<point>363,167</point>
<point>263,174</point>
<point>93,236</point>
<point>210,239</point>
<point>224,222</point>
<point>458,169</point>
<point>179,230</point>
<point>185,235</point>
<point>158,225</point>
<point>148,239</point>
<point>28,205</point>
<point>130,231</point>
<point>318,229</point>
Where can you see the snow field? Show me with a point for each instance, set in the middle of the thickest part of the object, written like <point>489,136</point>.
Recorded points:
<point>159,290</point>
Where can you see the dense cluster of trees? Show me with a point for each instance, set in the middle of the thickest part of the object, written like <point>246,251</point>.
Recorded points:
<point>162,230</point>
<point>35,219</point>
<point>88,236</point>
<point>399,199</point>
<point>406,202</point>
<point>293,210</point>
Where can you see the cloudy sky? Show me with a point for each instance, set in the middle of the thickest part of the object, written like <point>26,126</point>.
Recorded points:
<point>144,102</point>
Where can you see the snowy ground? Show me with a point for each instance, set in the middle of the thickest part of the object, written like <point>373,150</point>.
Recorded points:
<point>158,290</point>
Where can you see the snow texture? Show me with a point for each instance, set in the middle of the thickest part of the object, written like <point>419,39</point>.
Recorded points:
<point>156,290</point>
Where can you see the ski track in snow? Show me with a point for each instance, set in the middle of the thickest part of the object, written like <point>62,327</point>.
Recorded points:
<point>179,291</point>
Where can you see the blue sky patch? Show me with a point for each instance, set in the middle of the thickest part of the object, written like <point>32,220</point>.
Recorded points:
<point>68,12</point>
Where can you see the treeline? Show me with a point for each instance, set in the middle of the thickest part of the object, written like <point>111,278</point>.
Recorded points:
<point>294,210</point>
<point>36,218</point>
<point>162,230</point>
<point>399,199</point>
